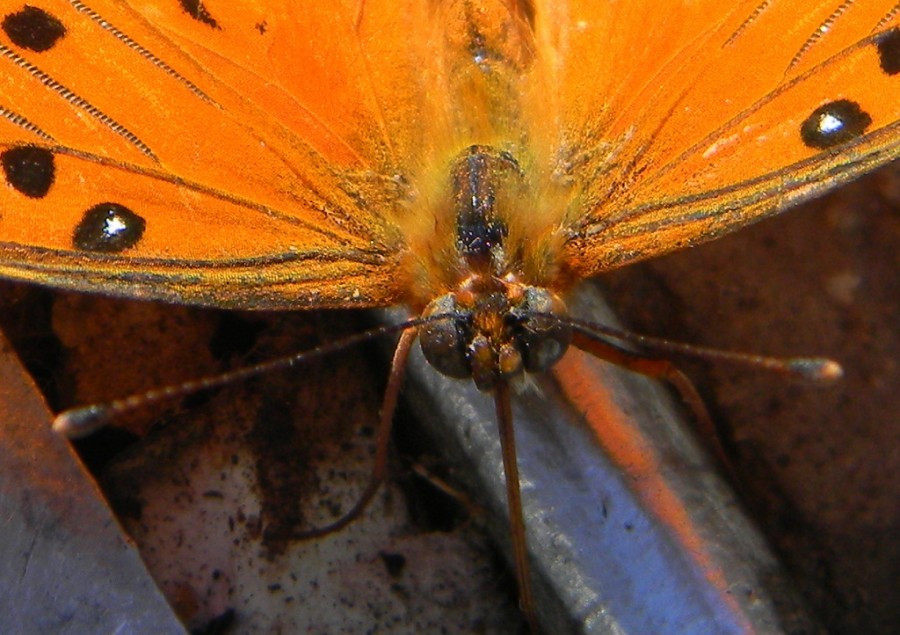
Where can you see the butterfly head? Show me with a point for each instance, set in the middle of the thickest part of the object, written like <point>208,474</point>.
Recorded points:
<point>494,330</point>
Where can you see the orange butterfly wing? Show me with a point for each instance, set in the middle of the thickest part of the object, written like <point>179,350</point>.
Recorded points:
<point>679,134</point>
<point>254,144</point>
<point>284,154</point>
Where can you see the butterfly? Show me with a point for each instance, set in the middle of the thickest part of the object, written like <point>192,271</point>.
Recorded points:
<point>470,160</point>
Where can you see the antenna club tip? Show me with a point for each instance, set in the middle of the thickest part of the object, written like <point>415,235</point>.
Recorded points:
<point>817,369</point>
<point>80,422</point>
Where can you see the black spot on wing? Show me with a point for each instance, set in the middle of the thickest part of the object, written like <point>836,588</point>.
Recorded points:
<point>29,170</point>
<point>108,228</point>
<point>888,44</point>
<point>196,10</point>
<point>834,123</point>
<point>33,29</point>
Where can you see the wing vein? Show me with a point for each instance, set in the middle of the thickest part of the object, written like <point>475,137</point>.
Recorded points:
<point>139,49</point>
<point>25,124</point>
<point>77,101</point>
<point>819,33</point>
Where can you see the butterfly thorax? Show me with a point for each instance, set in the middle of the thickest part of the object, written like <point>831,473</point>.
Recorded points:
<point>492,331</point>
<point>479,176</point>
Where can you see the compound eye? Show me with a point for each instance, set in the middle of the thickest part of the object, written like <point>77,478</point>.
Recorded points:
<point>542,340</point>
<point>445,342</point>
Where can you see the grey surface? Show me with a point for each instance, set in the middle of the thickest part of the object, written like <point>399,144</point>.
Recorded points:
<point>605,562</point>
<point>65,567</point>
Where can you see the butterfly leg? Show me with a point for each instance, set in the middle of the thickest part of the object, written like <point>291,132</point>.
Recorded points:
<point>382,439</point>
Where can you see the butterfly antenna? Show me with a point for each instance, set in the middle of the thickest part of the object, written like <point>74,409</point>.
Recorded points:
<point>79,422</point>
<point>815,369</point>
